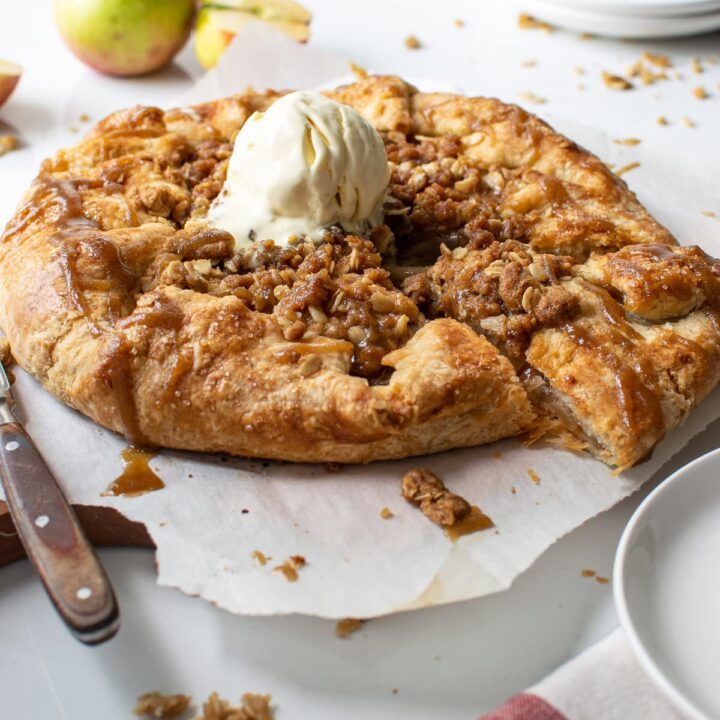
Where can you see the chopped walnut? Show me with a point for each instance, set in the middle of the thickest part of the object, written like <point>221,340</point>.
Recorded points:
<point>345,627</point>
<point>155,705</point>
<point>253,707</point>
<point>425,489</point>
<point>412,42</point>
<point>7,143</point>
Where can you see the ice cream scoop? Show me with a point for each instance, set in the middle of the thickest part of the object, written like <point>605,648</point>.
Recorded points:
<point>305,164</point>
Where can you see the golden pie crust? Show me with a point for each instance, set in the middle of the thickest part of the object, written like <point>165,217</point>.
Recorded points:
<point>518,288</point>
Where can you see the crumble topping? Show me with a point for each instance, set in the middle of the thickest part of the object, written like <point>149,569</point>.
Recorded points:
<point>291,566</point>
<point>426,490</point>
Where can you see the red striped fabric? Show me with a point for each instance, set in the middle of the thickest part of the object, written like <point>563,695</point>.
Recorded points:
<point>525,707</point>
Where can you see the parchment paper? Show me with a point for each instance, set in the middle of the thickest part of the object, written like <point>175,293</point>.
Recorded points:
<point>215,511</point>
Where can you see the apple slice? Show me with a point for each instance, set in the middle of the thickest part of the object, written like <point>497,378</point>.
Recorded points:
<point>9,76</point>
<point>217,26</point>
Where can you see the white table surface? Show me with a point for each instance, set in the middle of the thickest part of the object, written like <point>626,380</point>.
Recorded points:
<point>450,662</point>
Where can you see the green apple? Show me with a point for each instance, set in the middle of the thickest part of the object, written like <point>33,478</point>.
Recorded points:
<point>125,37</point>
<point>219,22</point>
<point>9,76</point>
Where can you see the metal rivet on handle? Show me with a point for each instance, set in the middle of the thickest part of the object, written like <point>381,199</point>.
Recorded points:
<point>83,593</point>
<point>12,445</point>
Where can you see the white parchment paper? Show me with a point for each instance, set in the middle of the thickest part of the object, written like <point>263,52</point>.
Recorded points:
<point>215,511</point>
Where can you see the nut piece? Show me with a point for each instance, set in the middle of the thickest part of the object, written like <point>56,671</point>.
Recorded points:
<point>423,488</point>
<point>155,705</point>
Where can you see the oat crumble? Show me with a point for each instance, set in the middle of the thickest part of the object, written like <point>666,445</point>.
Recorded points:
<point>700,93</point>
<point>386,513</point>
<point>412,42</point>
<point>627,141</point>
<point>425,489</point>
<point>627,168</point>
<point>8,143</point>
<point>616,82</point>
<point>528,22</point>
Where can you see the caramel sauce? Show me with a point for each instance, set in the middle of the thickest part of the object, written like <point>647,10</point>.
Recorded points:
<point>138,477</point>
<point>474,522</point>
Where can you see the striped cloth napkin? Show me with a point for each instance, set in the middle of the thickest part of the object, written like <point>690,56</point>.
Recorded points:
<point>603,683</point>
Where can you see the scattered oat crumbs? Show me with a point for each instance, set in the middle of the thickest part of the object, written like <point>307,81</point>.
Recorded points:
<point>687,122</point>
<point>358,70</point>
<point>700,93</point>
<point>662,120</point>
<point>260,557</point>
<point>8,143</point>
<point>587,36</point>
<point>347,626</point>
<point>579,70</point>
<point>709,213</point>
<point>587,573</point>
<point>581,86</point>
<point>627,141</point>
<point>155,705</point>
<point>696,66</point>
<point>533,476</point>
<point>84,117</point>
<point>73,129</point>
<point>412,42</point>
<point>657,59</point>
<point>528,63</point>
<point>458,23</point>
<point>527,96</point>
<point>386,513</point>
<point>616,82</point>
<point>253,707</point>
<point>627,168</point>
<point>602,580</point>
<point>528,22</point>
<point>291,566</point>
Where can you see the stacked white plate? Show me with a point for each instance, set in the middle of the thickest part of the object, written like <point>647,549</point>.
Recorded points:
<point>630,18</point>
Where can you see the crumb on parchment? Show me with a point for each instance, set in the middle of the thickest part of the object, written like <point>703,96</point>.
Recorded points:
<point>426,490</point>
<point>291,566</point>
<point>346,626</point>
<point>627,168</point>
<point>527,96</point>
<point>386,513</point>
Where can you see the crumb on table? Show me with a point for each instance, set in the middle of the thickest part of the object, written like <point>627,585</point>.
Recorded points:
<point>156,705</point>
<point>412,42</point>
<point>528,22</point>
<point>627,141</point>
<point>386,513</point>
<point>291,566</point>
<point>527,96</point>
<point>346,626</point>
<point>627,168</point>
<point>616,82</point>
<point>253,707</point>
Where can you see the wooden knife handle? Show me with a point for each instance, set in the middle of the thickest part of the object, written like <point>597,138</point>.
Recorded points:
<point>54,541</point>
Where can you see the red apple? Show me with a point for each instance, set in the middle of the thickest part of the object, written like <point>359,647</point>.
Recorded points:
<point>125,37</point>
<point>9,76</point>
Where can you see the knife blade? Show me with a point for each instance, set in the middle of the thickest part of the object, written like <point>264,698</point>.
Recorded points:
<point>50,532</point>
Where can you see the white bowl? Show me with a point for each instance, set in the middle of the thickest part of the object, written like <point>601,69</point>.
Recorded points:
<point>621,25</point>
<point>640,8</point>
<point>667,586</point>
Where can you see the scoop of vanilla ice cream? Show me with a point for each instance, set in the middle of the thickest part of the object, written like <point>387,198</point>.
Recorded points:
<point>306,163</point>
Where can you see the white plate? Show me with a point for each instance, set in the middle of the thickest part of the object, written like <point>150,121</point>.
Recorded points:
<point>644,8</point>
<point>667,586</point>
<point>625,26</point>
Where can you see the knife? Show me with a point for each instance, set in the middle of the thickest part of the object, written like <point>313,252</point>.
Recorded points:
<point>51,534</point>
